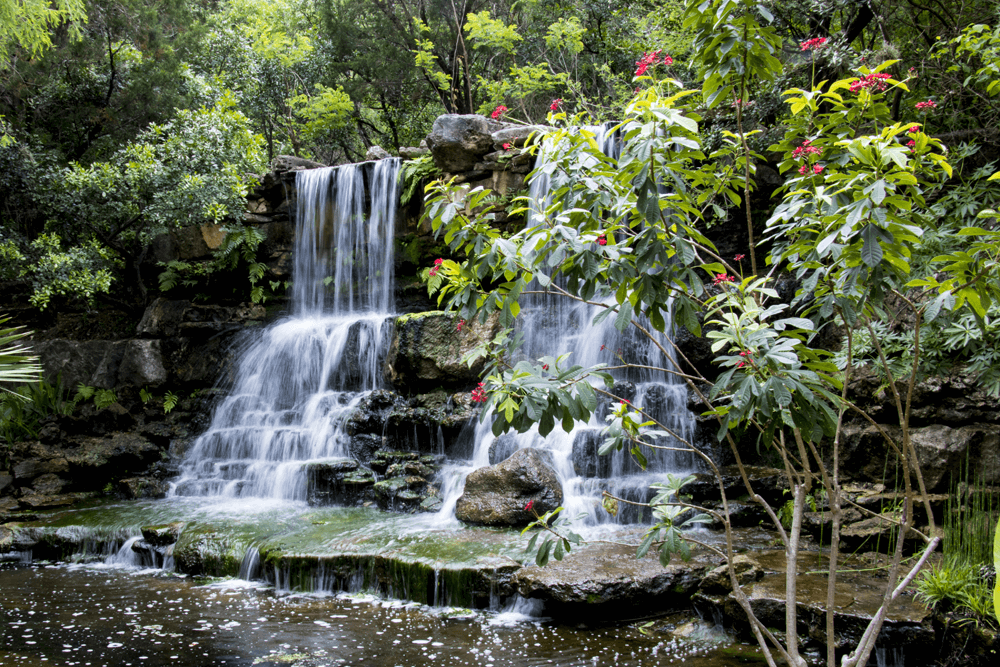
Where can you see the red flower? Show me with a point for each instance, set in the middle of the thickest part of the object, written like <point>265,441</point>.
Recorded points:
<point>545,367</point>
<point>602,348</point>
<point>913,128</point>
<point>437,266</point>
<point>814,43</point>
<point>739,258</point>
<point>556,103</point>
<point>624,401</point>
<point>531,503</point>
<point>602,240</point>
<point>803,170</point>
<point>817,169</point>
<point>929,104</point>
<point>875,81</point>
<point>479,394</point>
<point>461,323</point>
<point>806,149</point>
<point>723,278</point>
<point>741,364</point>
<point>650,59</point>
<point>506,147</point>
<point>499,111</point>
<point>911,143</point>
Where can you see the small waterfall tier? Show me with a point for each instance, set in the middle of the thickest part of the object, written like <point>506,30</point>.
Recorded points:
<point>297,383</point>
<point>554,325</point>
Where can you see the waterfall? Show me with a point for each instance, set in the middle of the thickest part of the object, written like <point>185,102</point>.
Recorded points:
<point>297,383</point>
<point>553,325</point>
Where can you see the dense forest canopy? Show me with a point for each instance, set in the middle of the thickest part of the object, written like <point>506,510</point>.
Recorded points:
<point>122,118</point>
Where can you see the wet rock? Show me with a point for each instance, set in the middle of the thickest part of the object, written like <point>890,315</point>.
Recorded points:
<point>162,535</point>
<point>877,533</point>
<point>5,482</point>
<point>383,459</point>
<point>37,501</point>
<point>428,351</point>
<point>432,504</point>
<point>856,600</point>
<point>502,448</point>
<point>77,362</point>
<point>96,461</point>
<point>7,505</point>
<point>364,445</point>
<point>136,488</point>
<point>338,482</point>
<point>769,483</point>
<point>410,468</point>
<point>458,141</point>
<point>45,463</point>
<point>609,578</point>
<point>497,495</point>
<point>402,494</point>
<point>718,582</point>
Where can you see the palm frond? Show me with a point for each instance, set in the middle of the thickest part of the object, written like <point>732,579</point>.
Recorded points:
<point>17,364</point>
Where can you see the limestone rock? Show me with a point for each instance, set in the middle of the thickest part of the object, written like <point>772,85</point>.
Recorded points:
<point>717,581</point>
<point>376,153</point>
<point>412,152</point>
<point>49,484</point>
<point>427,350</point>
<point>609,577</point>
<point>497,495</point>
<point>338,482</point>
<point>518,135</point>
<point>458,141</point>
<point>74,362</point>
<point>283,163</point>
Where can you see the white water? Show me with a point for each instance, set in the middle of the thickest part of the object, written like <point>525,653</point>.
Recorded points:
<point>553,325</point>
<point>300,380</point>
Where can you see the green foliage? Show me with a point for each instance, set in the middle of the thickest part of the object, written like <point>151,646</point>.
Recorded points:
<point>484,31</point>
<point>27,24</point>
<point>80,272</point>
<point>551,537</point>
<point>102,398</point>
<point>412,175</point>
<point>170,400</point>
<point>17,364</point>
<point>21,412</point>
<point>956,586</point>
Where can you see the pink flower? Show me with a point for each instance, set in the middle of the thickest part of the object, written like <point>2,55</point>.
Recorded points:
<point>924,106</point>
<point>814,43</point>
<point>531,503</point>
<point>803,170</point>
<point>913,128</point>
<point>461,323</point>
<point>723,278</point>
<point>806,149</point>
<point>911,143</point>
<point>874,81</point>
<point>817,169</point>
<point>741,364</point>
<point>649,60</point>
<point>602,240</point>
<point>739,258</point>
<point>556,103</point>
<point>506,147</point>
<point>499,111</point>
<point>479,394</point>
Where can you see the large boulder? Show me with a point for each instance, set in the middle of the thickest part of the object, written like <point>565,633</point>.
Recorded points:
<point>458,141</point>
<point>142,364</point>
<point>497,495</point>
<point>428,350</point>
<point>91,362</point>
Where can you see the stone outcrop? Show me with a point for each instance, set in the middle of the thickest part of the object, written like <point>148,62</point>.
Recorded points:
<point>458,141</point>
<point>428,351</point>
<point>497,495</point>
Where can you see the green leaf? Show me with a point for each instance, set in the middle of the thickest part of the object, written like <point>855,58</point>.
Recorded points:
<point>871,252</point>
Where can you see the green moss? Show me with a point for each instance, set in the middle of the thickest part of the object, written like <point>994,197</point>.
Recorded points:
<point>413,317</point>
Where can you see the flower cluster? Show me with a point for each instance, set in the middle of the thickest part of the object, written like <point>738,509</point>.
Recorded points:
<point>499,111</point>
<point>814,43</point>
<point>739,258</point>
<point>437,266</point>
<point>545,367</point>
<point>911,143</point>
<point>479,394</point>
<point>924,106</point>
<point>602,240</point>
<point>816,169</point>
<point>556,103</point>
<point>651,59</point>
<point>506,147</point>
<point>746,359</point>
<point>875,81</point>
<point>806,149</point>
<point>913,128</point>
<point>461,323</point>
<point>721,278</point>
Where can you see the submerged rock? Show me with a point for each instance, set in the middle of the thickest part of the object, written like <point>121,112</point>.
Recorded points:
<point>162,535</point>
<point>497,495</point>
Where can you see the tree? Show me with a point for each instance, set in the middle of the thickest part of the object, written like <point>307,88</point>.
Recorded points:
<point>623,236</point>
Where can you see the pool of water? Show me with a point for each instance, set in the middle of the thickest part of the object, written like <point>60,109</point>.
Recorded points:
<point>96,615</point>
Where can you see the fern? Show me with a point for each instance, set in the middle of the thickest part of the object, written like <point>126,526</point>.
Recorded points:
<point>412,174</point>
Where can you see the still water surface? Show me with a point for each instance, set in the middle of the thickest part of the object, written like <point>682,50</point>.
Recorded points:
<point>94,615</point>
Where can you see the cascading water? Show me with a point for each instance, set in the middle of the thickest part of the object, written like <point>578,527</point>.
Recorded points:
<point>296,385</point>
<point>555,325</point>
